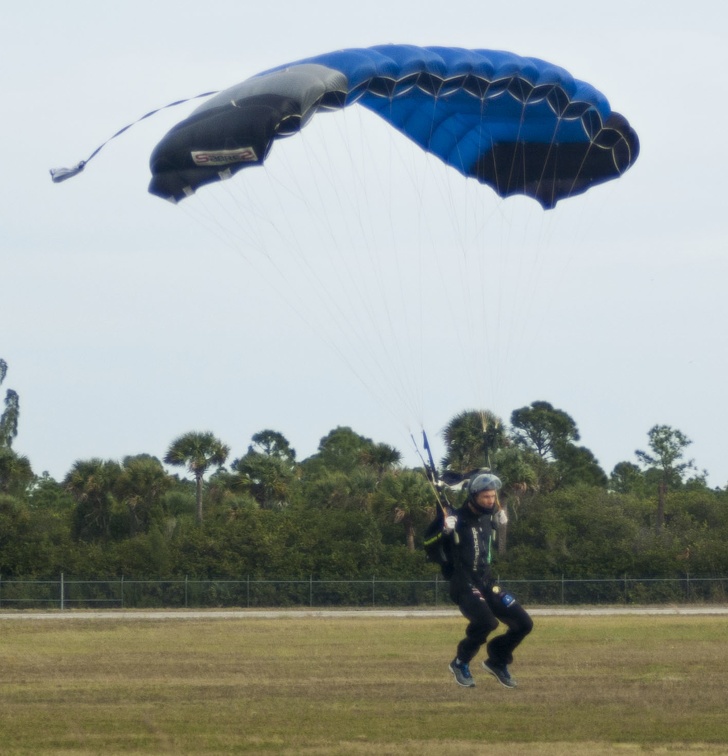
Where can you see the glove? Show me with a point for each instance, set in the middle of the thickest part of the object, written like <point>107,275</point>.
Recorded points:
<point>501,518</point>
<point>450,522</point>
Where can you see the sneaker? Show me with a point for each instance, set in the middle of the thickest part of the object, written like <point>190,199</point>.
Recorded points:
<point>500,672</point>
<point>462,674</point>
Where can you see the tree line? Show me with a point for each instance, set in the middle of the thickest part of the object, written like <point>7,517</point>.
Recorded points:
<point>353,509</point>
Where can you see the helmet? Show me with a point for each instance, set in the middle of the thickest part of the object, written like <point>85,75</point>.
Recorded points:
<point>483,482</point>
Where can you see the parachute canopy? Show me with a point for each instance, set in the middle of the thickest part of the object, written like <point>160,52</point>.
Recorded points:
<point>520,125</point>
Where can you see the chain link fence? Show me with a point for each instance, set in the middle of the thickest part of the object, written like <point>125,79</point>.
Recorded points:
<point>73,593</point>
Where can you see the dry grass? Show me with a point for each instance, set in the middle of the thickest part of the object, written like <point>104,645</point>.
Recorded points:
<point>359,685</point>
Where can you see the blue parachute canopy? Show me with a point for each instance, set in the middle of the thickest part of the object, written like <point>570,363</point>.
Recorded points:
<point>520,125</point>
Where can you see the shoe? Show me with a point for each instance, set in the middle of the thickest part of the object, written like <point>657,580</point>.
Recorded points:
<point>500,672</point>
<point>462,674</point>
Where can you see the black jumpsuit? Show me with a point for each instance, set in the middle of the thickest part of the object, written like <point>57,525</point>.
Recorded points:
<point>471,588</point>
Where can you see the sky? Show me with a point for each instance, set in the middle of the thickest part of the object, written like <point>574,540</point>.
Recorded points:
<point>126,321</point>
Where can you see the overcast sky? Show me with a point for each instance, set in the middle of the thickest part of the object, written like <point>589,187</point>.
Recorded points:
<point>126,321</point>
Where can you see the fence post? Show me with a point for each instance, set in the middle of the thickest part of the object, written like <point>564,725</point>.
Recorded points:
<point>62,596</point>
<point>374,577</point>
<point>247,591</point>
<point>310,590</point>
<point>687,586</point>
<point>122,591</point>
<point>562,589</point>
<point>185,591</point>
<point>437,587</point>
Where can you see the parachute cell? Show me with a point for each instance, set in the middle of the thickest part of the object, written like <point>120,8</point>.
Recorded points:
<point>520,125</point>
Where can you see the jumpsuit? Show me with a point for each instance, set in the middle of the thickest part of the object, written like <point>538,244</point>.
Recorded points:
<point>473,589</point>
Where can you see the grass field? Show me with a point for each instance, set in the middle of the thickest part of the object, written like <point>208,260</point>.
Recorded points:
<point>359,685</point>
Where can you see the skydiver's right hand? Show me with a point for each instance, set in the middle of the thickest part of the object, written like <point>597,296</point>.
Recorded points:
<point>449,524</point>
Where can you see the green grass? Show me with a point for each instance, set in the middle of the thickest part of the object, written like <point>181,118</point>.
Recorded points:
<point>359,685</point>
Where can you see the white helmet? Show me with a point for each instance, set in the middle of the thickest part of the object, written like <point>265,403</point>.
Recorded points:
<point>483,482</point>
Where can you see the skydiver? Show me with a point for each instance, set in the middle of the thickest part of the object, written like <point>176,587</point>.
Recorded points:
<point>469,535</point>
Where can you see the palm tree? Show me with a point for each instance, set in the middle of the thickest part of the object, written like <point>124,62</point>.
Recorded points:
<point>91,482</point>
<point>141,485</point>
<point>471,438</point>
<point>382,458</point>
<point>405,496</point>
<point>16,474</point>
<point>518,474</point>
<point>198,452</point>
<point>268,478</point>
